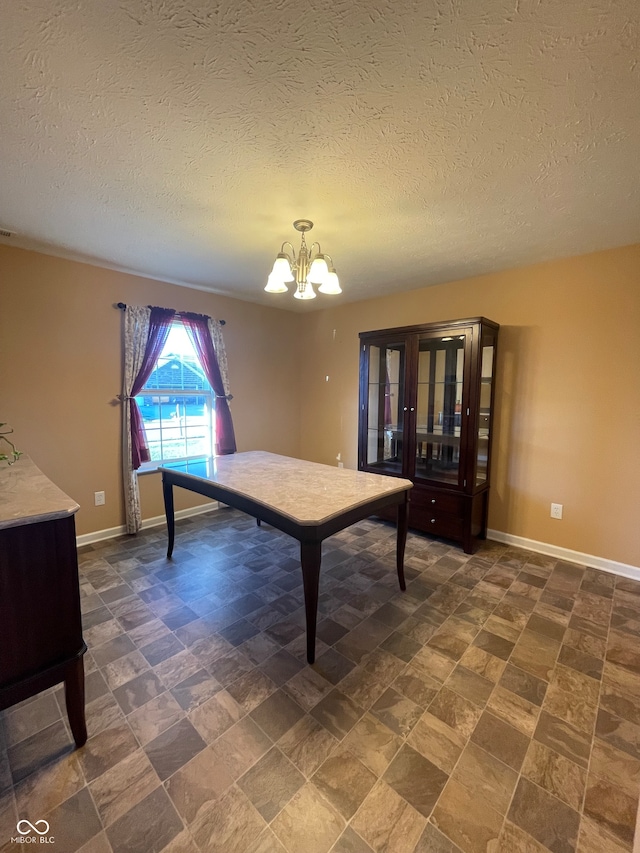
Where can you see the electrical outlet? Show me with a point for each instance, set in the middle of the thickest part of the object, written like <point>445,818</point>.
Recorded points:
<point>556,510</point>
<point>99,498</point>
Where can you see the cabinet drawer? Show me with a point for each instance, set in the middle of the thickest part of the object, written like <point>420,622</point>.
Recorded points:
<point>443,524</point>
<point>433,500</point>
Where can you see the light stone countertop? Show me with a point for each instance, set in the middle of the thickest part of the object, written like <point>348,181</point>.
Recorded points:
<point>307,492</point>
<point>27,496</point>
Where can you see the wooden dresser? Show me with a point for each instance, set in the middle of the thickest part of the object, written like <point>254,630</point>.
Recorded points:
<point>40,625</point>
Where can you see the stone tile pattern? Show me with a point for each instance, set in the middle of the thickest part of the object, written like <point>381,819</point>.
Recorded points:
<point>493,706</point>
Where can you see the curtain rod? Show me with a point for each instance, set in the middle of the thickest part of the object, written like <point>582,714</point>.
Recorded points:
<point>123,305</point>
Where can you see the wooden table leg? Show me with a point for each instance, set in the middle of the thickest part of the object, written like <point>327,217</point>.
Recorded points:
<point>167,492</point>
<point>403,524</point>
<point>74,700</point>
<point>310,556</point>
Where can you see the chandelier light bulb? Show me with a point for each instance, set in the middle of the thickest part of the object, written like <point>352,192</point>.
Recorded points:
<point>275,284</point>
<point>282,268</point>
<point>331,285</point>
<point>318,271</point>
<point>305,291</point>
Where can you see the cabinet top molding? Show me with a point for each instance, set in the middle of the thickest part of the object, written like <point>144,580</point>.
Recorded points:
<point>431,327</point>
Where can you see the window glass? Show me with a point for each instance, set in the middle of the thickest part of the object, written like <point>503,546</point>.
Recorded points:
<point>177,408</point>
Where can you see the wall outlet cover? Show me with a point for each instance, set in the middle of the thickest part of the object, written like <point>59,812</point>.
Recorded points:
<point>556,510</point>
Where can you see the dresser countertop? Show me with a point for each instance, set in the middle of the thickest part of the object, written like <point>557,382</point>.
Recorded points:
<point>27,496</point>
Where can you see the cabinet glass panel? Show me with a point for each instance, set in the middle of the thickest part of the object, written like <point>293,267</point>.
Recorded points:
<point>385,422</point>
<point>439,408</point>
<point>484,415</point>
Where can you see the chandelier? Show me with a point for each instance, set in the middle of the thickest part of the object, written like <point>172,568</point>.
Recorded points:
<point>309,267</point>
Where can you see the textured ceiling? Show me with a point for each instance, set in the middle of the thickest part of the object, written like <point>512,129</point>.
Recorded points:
<point>428,140</point>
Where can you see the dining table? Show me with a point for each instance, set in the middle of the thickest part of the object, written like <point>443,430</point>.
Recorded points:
<point>309,501</point>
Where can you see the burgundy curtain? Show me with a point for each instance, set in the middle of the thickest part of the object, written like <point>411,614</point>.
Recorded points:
<point>197,325</point>
<point>160,322</point>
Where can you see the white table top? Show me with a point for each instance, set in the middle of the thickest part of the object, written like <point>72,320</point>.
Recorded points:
<point>307,492</point>
<point>27,496</point>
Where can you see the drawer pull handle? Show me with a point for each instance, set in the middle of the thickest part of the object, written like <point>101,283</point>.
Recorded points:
<point>433,500</point>
<point>433,521</point>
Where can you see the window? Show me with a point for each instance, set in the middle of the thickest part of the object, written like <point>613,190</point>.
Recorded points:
<point>177,406</point>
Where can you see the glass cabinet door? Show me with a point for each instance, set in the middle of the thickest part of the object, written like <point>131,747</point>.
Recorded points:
<point>385,421</point>
<point>439,408</point>
<point>484,415</point>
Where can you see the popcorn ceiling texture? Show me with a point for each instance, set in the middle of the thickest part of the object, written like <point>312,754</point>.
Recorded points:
<point>428,141</point>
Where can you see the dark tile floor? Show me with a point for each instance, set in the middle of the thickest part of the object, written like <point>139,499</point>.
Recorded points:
<point>494,707</point>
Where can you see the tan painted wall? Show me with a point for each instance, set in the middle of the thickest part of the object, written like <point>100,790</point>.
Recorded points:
<point>568,395</point>
<point>60,370</point>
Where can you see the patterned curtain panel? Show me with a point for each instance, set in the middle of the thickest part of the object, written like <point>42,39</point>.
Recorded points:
<point>206,336</point>
<point>145,333</point>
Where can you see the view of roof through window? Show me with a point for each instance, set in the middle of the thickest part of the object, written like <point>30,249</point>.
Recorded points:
<point>178,365</point>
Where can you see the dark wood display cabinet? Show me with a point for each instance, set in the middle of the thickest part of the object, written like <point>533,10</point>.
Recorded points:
<point>41,640</point>
<point>426,402</point>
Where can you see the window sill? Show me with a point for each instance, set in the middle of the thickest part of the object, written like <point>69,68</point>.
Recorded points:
<point>142,471</point>
<point>194,464</point>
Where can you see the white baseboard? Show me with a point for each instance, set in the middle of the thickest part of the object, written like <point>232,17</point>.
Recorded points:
<point>623,569</point>
<point>156,521</point>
